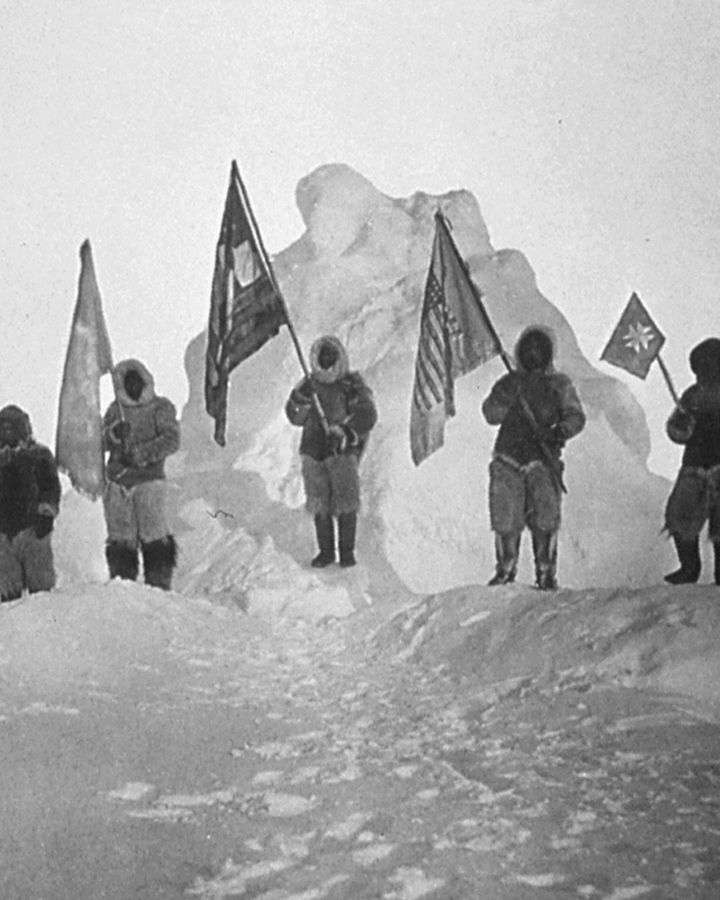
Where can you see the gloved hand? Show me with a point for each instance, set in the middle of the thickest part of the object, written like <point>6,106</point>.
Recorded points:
<point>341,438</point>
<point>681,425</point>
<point>302,394</point>
<point>684,420</point>
<point>552,436</point>
<point>120,432</point>
<point>133,457</point>
<point>43,525</point>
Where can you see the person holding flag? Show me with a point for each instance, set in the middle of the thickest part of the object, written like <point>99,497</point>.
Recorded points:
<point>635,345</point>
<point>140,430</point>
<point>538,410</point>
<point>695,497</point>
<point>336,411</point>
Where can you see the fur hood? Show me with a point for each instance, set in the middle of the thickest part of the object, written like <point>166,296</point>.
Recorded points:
<point>547,336</point>
<point>21,421</point>
<point>119,373</point>
<point>705,361</point>
<point>335,372</point>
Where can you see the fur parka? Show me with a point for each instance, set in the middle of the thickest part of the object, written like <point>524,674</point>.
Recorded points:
<point>695,422</point>
<point>154,432</point>
<point>29,482</point>
<point>344,397</point>
<point>550,395</point>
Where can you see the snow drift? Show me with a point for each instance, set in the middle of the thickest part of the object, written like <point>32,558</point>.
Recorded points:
<point>663,639</point>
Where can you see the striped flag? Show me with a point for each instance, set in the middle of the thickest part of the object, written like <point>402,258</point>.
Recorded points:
<point>636,342</point>
<point>456,335</point>
<point>246,309</point>
<point>78,436</point>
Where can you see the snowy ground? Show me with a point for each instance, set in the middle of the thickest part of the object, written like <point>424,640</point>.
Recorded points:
<point>479,743</point>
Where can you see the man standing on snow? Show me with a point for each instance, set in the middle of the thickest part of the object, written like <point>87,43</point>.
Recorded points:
<point>29,502</point>
<point>523,489</point>
<point>140,430</point>
<point>330,458</point>
<point>695,497</point>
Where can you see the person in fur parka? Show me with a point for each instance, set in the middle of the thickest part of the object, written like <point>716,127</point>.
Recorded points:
<point>330,458</point>
<point>695,497</point>
<point>29,502</point>
<point>140,430</point>
<point>523,490</point>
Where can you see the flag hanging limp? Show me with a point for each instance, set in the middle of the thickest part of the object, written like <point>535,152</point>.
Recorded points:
<point>456,335</point>
<point>78,439</point>
<point>246,308</point>
<point>636,342</point>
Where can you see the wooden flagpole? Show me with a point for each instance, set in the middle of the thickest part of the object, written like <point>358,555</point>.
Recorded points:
<point>668,380</point>
<point>276,287</point>
<point>524,405</point>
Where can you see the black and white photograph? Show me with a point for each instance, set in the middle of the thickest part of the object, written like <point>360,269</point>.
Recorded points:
<point>360,450</point>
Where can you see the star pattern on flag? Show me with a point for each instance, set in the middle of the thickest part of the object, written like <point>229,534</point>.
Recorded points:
<point>639,337</point>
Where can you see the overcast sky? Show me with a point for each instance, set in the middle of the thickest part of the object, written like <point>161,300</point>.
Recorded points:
<point>588,131</point>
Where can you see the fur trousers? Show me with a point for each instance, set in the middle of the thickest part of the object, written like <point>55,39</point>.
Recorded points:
<point>523,495</point>
<point>332,485</point>
<point>694,500</point>
<point>25,562</point>
<point>135,515</point>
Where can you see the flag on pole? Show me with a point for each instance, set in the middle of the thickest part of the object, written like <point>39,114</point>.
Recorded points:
<point>246,308</point>
<point>78,438</point>
<point>456,335</point>
<point>636,342</point>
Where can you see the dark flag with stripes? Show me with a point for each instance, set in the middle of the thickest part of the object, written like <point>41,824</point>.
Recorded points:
<point>456,335</point>
<point>246,308</point>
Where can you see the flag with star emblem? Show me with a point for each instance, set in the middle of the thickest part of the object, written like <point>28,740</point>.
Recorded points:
<point>636,341</point>
<point>456,335</point>
<point>78,434</point>
<point>246,308</point>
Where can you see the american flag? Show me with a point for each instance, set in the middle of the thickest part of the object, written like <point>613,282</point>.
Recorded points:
<point>433,375</point>
<point>245,307</point>
<point>456,335</point>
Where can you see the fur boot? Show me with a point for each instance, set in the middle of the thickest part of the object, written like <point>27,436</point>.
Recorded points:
<point>347,527</point>
<point>507,550</point>
<point>325,533</point>
<point>545,552</point>
<point>688,552</point>
<point>159,560</point>
<point>122,560</point>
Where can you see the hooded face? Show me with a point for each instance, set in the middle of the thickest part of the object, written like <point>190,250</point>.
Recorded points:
<point>14,427</point>
<point>328,356</point>
<point>328,359</point>
<point>535,350</point>
<point>705,361</point>
<point>133,384</point>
